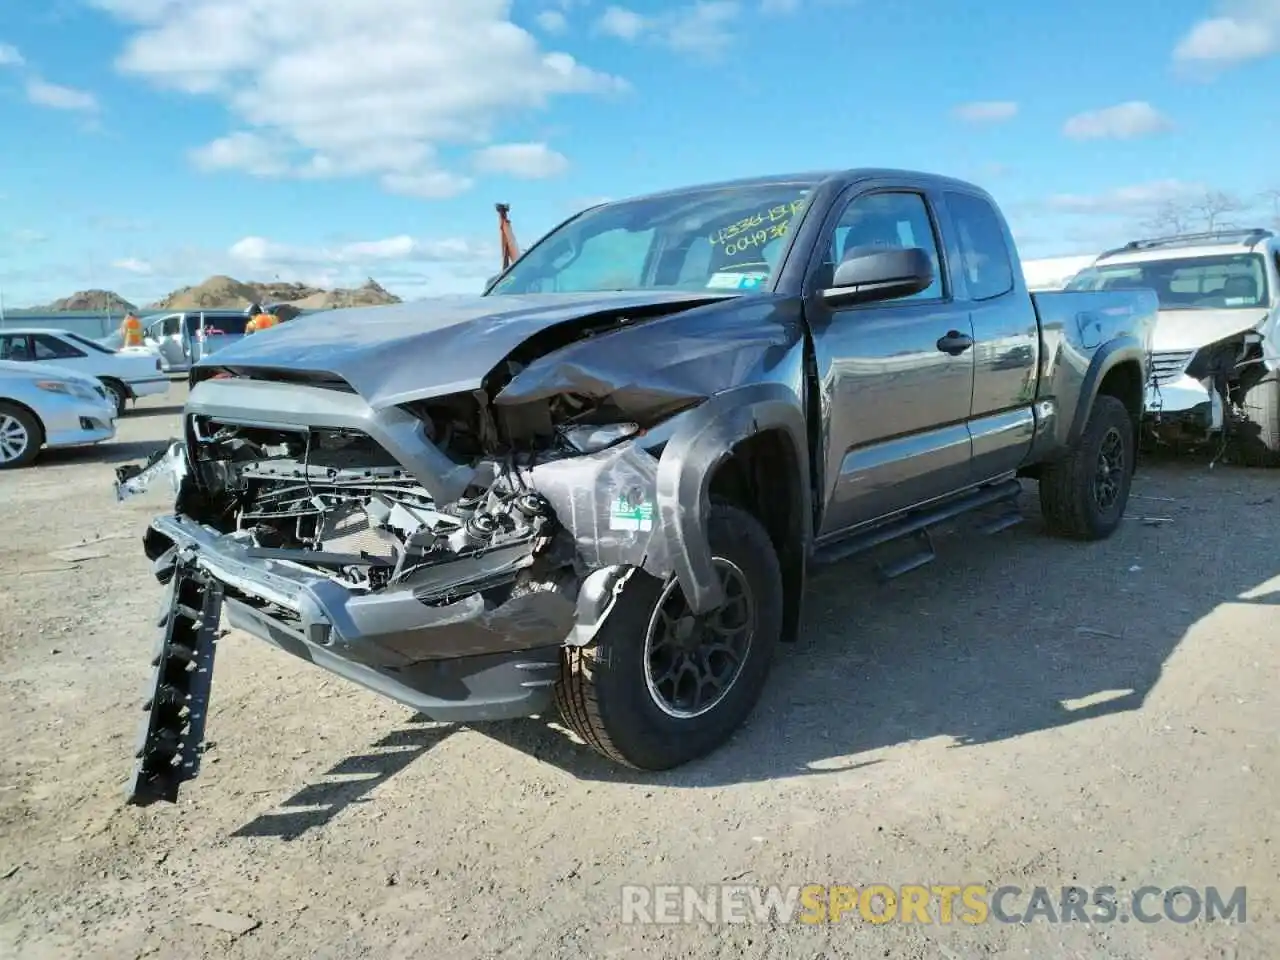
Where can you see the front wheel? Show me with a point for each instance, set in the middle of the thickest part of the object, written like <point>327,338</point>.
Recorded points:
<point>119,395</point>
<point>660,686</point>
<point>1259,442</point>
<point>20,437</point>
<point>1083,496</point>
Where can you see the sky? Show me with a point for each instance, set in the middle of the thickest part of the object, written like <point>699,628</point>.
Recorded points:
<point>149,144</point>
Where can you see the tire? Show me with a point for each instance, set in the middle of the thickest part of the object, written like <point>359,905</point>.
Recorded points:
<point>604,692</point>
<point>1260,444</point>
<point>1068,500</point>
<point>21,436</point>
<point>119,393</point>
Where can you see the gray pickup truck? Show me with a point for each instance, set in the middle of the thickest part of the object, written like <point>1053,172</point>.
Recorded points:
<point>598,486</point>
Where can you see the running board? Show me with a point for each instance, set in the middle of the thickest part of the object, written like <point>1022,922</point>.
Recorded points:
<point>171,740</point>
<point>918,525</point>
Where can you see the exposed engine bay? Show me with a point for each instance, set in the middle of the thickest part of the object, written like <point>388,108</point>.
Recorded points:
<point>335,501</point>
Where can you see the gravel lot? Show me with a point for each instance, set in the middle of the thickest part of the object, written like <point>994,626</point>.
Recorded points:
<point>1024,712</point>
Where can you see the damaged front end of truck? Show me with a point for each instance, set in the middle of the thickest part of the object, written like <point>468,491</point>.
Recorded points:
<point>439,546</point>
<point>1205,395</point>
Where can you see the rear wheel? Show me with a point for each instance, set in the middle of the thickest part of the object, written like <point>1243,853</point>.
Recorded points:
<point>20,437</point>
<point>1259,436</point>
<point>661,686</point>
<point>119,394</point>
<point>1083,496</point>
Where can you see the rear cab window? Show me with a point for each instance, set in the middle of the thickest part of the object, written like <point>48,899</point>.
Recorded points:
<point>984,253</point>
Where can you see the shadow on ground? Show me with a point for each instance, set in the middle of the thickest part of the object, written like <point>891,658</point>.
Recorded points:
<point>137,413</point>
<point>1001,636</point>
<point>112,451</point>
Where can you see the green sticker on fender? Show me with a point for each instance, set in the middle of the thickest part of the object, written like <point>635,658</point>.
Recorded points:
<point>625,515</point>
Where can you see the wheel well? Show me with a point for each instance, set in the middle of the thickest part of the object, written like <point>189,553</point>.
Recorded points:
<point>761,476</point>
<point>1124,382</point>
<point>128,391</point>
<point>6,402</point>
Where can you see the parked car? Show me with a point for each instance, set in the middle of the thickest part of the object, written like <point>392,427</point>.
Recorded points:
<point>598,486</point>
<point>125,376</point>
<point>42,405</point>
<point>1217,341</point>
<point>182,338</point>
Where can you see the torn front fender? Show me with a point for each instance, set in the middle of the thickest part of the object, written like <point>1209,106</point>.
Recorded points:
<point>168,465</point>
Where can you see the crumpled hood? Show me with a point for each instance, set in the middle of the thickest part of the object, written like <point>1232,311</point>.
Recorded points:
<point>1193,329</point>
<point>428,348</point>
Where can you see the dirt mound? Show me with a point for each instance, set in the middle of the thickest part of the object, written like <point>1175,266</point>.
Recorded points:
<point>222,292</point>
<point>214,293</point>
<point>371,294</point>
<point>97,301</point>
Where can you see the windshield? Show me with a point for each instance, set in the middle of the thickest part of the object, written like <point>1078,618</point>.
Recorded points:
<point>717,239</point>
<point>85,342</point>
<point>1224,282</point>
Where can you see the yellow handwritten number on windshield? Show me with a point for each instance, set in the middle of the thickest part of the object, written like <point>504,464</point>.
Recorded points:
<point>778,218</point>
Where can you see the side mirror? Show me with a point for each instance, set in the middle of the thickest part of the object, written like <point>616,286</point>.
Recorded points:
<point>872,274</point>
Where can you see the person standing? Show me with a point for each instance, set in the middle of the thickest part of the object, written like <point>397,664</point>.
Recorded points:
<point>259,319</point>
<point>131,330</point>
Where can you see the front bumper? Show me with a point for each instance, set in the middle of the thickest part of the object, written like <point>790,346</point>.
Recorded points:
<point>1185,402</point>
<point>467,660</point>
<point>74,422</point>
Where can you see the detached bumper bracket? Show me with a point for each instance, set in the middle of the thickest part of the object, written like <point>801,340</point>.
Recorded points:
<point>171,739</point>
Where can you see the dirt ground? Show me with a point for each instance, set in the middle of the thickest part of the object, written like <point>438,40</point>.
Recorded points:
<point>1023,712</point>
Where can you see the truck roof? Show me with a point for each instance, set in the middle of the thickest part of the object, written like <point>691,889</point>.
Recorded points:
<point>813,178</point>
<point>1206,244</point>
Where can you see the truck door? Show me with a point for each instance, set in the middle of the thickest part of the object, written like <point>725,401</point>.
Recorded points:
<point>1006,335</point>
<point>896,377</point>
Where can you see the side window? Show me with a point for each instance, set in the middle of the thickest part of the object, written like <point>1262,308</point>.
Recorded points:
<point>984,254</point>
<point>51,348</point>
<point>171,326</point>
<point>888,220</point>
<point>613,259</point>
<point>13,348</point>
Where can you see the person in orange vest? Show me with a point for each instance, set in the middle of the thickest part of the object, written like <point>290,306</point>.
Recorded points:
<point>131,331</point>
<point>259,319</point>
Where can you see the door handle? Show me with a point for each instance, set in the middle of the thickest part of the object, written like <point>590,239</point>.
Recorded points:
<point>955,343</point>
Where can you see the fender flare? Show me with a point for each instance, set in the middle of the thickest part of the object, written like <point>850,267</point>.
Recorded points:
<point>701,444</point>
<point>1110,355</point>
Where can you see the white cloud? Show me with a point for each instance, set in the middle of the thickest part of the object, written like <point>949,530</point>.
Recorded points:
<point>1124,121</point>
<point>352,87</point>
<point>133,265</point>
<point>527,161</point>
<point>249,152</point>
<point>986,111</point>
<point>703,28</point>
<point>1134,200</point>
<point>552,21</point>
<point>56,97</point>
<point>259,252</point>
<point>1244,30</point>
<point>27,236</point>
<point>9,56</point>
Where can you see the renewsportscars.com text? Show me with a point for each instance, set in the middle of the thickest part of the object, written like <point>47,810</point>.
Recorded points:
<point>929,904</point>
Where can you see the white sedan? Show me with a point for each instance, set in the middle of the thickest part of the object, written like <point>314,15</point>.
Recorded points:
<point>42,405</point>
<point>127,376</point>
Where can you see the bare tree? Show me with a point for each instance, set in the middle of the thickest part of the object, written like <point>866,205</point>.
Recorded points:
<point>1272,199</point>
<point>1207,212</point>
<point>1169,217</point>
<point>1214,205</point>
